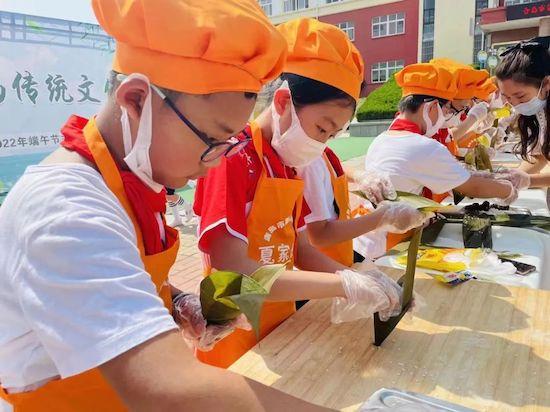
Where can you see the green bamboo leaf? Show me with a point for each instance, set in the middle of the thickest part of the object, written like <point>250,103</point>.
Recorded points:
<point>215,291</point>
<point>267,275</point>
<point>225,295</point>
<point>418,202</point>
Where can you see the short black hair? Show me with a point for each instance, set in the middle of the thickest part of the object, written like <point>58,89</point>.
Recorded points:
<point>413,102</point>
<point>306,91</point>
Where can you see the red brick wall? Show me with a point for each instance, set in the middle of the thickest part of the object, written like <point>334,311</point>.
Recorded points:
<point>400,47</point>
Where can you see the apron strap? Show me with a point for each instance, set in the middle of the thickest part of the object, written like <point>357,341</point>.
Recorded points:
<point>330,168</point>
<point>258,142</point>
<point>110,173</point>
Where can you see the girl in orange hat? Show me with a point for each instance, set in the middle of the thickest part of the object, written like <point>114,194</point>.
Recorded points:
<point>258,213</point>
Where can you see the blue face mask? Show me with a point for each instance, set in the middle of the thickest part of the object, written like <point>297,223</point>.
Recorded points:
<point>533,106</point>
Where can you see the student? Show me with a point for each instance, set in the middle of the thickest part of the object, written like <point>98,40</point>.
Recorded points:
<point>250,207</point>
<point>524,80</point>
<point>417,163</point>
<point>464,112</point>
<point>85,319</point>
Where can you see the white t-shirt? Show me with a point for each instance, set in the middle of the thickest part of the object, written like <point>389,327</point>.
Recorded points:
<point>318,191</point>
<point>414,161</point>
<point>73,290</point>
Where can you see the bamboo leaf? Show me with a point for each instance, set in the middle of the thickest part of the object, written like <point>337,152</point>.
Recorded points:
<point>419,202</point>
<point>267,275</point>
<point>225,295</point>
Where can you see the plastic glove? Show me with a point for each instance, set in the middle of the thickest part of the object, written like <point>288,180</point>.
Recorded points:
<point>479,111</point>
<point>377,186</point>
<point>366,293</point>
<point>512,197</point>
<point>519,179</point>
<point>481,173</point>
<point>187,313</point>
<point>400,217</point>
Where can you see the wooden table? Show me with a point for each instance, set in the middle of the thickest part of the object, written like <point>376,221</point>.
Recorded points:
<point>481,345</point>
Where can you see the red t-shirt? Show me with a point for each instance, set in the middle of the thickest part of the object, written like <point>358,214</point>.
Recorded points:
<point>225,194</point>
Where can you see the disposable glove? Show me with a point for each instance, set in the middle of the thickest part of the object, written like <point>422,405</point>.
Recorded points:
<point>366,293</point>
<point>400,217</point>
<point>187,313</point>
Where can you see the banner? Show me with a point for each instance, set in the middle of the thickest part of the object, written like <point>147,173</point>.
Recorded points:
<point>49,69</point>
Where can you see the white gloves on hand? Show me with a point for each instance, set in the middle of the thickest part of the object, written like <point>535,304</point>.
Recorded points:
<point>479,111</point>
<point>377,186</point>
<point>400,217</point>
<point>519,179</point>
<point>366,293</point>
<point>187,313</point>
<point>512,197</point>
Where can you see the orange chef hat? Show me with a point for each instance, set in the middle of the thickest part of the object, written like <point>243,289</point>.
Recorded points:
<point>427,79</point>
<point>467,78</point>
<point>194,46</point>
<point>485,89</point>
<point>323,52</point>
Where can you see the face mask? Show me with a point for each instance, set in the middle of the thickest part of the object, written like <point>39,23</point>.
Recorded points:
<point>454,121</point>
<point>137,154</point>
<point>294,146</point>
<point>532,107</point>
<point>433,128</point>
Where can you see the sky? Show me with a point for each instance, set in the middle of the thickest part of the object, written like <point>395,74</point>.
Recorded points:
<point>77,10</point>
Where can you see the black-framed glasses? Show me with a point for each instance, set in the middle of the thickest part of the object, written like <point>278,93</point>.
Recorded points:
<point>457,111</point>
<point>216,149</point>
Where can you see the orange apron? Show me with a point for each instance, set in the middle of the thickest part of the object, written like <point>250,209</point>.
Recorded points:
<point>89,391</point>
<point>272,238</point>
<point>469,141</point>
<point>340,252</point>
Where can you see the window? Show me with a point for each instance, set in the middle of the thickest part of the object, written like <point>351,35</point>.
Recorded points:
<point>428,31</point>
<point>267,7</point>
<point>478,34</point>
<point>514,2</point>
<point>348,27</point>
<point>293,5</point>
<point>382,71</point>
<point>389,25</point>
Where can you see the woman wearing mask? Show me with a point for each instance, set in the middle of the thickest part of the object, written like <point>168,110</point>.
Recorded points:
<point>524,80</point>
<point>250,207</point>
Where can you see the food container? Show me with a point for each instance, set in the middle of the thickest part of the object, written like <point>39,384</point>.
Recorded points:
<point>397,400</point>
<point>476,231</point>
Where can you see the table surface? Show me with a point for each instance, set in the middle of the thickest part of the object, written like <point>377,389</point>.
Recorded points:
<point>482,345</point>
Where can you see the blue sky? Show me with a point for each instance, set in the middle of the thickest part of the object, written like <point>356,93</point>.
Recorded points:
<point>77,10</point>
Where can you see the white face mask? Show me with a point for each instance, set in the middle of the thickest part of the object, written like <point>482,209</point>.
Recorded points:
<point>137,154</point>
<point>294,146</point>
<point>433,128</point>
<point>533,106</point>
<point>454,121</point>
